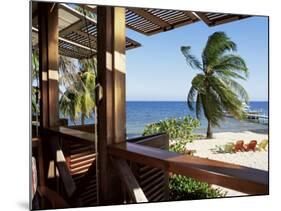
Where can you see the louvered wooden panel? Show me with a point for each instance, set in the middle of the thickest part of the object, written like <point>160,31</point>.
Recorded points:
<point>153,181</point>
<point>80,156</point>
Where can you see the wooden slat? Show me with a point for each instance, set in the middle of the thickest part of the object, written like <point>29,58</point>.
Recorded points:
<point>152,18</point>
<point>155,184</point>
<point>129,180</point>
<point>151,178</point>
<point>244,179</point>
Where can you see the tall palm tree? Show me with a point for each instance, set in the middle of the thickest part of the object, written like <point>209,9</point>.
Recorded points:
<point>215,89</point>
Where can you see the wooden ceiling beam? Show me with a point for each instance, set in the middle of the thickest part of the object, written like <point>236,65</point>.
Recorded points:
<point>204,18</point>
<point>191,15</point>
<point>69,42</point>
<point>152,18</point>
<point>229,19</point>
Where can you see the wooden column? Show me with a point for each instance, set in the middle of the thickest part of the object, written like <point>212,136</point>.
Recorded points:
<point>48,76</point>
<point>48,63</point>
<point>111,109</point>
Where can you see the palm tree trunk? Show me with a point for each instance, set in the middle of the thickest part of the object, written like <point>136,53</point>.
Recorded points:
<point>209,130</point>
<point>82,118</point>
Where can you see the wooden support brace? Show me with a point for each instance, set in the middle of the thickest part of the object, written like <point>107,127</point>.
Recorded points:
<point>129,180</point>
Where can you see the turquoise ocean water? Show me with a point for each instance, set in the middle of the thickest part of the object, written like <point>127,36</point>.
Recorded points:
<point>141,113</point>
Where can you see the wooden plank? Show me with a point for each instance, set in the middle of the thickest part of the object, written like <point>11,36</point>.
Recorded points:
<point>129,180</point>
<point>158,140</point>
<point>243,179</point>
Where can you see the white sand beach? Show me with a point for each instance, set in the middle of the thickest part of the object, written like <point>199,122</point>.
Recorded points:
<point>205,148</point>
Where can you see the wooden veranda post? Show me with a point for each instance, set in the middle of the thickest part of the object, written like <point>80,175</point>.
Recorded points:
<point>111,108</point>
<point>48,75</point>
<point>48,63</point>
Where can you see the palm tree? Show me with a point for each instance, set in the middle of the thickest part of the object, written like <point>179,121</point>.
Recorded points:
<point>78,97</point>
<point>35,79</point>
<point>215,89</point>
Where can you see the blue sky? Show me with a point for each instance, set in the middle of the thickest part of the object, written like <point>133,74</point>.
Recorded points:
<point>158,71</point>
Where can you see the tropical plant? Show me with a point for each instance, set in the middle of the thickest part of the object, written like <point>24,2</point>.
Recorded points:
<point>215,89</point>
<point>177,129</point>
<point>35,79</point>
<point>186,188</point>
<point>78,96</point>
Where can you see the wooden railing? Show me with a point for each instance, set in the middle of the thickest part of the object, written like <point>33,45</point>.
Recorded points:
<point>74,154</point>
<point>240,178</point>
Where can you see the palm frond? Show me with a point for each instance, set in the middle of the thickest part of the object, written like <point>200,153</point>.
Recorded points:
<point>198,106</point>
<point>232,63</point>
<point>229,74</point>
<point>191,60</point>
<point>217,44</point>
<point>198,83</point>
<point>190,97</point>
<point>237,88</point>
<point>228,99</point>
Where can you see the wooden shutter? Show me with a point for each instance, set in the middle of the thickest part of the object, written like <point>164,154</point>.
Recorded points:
<point>81,161</point>
<point>153,181</point>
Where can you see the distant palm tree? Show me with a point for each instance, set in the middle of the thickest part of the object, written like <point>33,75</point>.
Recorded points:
<point>35,79</point>
<point>78,97</point>
<point>215,89</point>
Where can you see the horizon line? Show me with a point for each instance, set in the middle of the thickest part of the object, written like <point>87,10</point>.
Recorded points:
<point>181,101</point>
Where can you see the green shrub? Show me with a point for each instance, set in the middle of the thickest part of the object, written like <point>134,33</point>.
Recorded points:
<point>180,131</point>
<point>177,129</point>
<point>185,188</point>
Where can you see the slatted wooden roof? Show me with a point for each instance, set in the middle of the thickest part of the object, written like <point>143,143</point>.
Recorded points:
<point>77,33</point>
<point>151,21</point>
